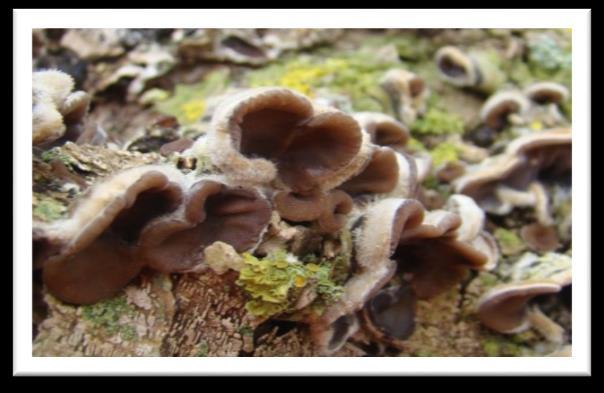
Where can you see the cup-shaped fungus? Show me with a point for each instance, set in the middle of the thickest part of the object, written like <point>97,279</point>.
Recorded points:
<point>211,212</point>
<point>496,109</point>
<point>265,134</point>
<point>508,308</point>
<point>395,235</point>
<point>328,340</point>
<point>515,178</point>
<point>57,111</point>
<point>383,129</point>
<point>376,235</point>
<point>382,167</point>
<point>327,209</point>
<point>389,316</point>
<point>462,69</point>
<point>96,256</point>
<point>546,93</point>
<point>408,93</point>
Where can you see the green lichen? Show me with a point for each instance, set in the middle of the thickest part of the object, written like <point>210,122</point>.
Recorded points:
<point>414,145</point>
<point>437,120</point>
<point>188,102</point>
<point>546,60</point>
<point>203,349</point>
<point>56,154</point>
<point>246,331</point>
<point>509,242</point>
<point>274,283</point>
<point>500,347</point>
<point>48,210</point>
<point>443,153</point>
<point>348,75</point>
<point>107,314</point>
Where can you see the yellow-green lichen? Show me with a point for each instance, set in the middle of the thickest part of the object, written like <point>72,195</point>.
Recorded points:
<point>202,349</point>
<point>56,154</point>
<point>501,347</point>
<point>508,241</point>
<point>443,153</point>
<point>188,102</point>
<point>274,283</point>
<point>107,315</point>
<point>48,210</point>
<point>437,120</point>
<point>347,75</point>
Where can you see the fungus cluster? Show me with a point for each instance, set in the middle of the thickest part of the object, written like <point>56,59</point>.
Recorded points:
<point>277,157</point>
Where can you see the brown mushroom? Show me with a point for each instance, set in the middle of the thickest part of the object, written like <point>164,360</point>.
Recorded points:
<point>389,316</point>
<point>539,237</point>
<point>383,129</point>
<point>329,210</point>
<point>546,92</point>
<point>266,134</point>
<point>96,254</point>
<point>499,106</point>
<point>211,212</point>
<point>513,178</point>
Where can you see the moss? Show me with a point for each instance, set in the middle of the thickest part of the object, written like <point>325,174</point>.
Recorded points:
<point>274,283</point>
<point>48,210</point>
<point>106,315</point>
<point>509,242</point>
<point>202,350</point>
<point>188,102</point>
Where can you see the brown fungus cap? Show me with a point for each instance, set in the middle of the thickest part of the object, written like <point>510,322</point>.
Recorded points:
<point>375,239</point>
<point>212,212</point>
<point>456,67</point>
<point>329,210</point>
<point>380,175</point>
<point>512,178</point>
<point>431,257</point>
<point>266,134</point>
<point>546,92</point>
<point>96,257</point>
<point>389,316</point>
<point>329,340</point>
<point>383,129</point>
<point>500,105</point>
<point>540,237</point>
<point>504,308</point>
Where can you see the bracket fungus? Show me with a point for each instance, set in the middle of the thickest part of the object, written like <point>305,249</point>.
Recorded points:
<point>144,216</point>
<point>546,93</point>
<point>471,70</point>
<point>408,93</point>
<point>396,236</point>
<point>382,167</point>
<point>57,111</point>
<point>514,178</point>
<point>265,134</point>
<point>507,308</point>
<point>389,316</point>
<point>95,247</point>
<point>496,109</point>
<point>328,210</point>
<point>211,212</point>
